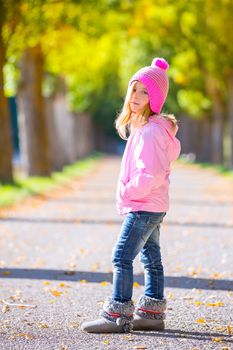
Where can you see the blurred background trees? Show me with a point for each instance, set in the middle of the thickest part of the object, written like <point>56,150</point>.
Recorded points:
<point>68,63</point>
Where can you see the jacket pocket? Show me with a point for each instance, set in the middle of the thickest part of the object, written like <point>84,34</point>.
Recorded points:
<point>122,190</point>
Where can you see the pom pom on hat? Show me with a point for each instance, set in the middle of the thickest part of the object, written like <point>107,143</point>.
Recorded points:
<point>155,79</point>
<point>160,62</point>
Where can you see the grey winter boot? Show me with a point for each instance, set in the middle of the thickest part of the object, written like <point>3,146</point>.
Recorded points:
<point>149,314</point>
<point>116,317</point>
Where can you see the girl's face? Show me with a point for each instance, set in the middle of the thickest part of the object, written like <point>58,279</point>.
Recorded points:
<point>139,98</point>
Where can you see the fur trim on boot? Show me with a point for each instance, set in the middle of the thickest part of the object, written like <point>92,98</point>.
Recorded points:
<point>116,317</point>
<point>149,314</point>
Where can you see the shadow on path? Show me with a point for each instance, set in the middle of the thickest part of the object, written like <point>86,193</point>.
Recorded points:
<point>77,199</point>
<point>96,277</point>
<point>179,333</point>
<point>78,220</point>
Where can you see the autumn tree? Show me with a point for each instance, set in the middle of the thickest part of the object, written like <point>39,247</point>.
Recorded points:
<point>6,174</point>
<point>97,48</point>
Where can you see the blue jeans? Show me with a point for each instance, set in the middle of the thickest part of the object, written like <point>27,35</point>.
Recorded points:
<point>139,233</point>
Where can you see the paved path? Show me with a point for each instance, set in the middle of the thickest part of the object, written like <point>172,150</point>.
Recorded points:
<point>56,259</point>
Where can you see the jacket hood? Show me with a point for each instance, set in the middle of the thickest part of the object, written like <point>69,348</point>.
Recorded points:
<point>173,143</point>
<point>166,124</point>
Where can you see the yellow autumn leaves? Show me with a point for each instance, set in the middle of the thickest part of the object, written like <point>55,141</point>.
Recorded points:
<point>128,338</point>
<point>227,328</point>
<point>209,304</point>
<point>54,291</point>
<point>216,304</point>
<point>201,320</point>
<point>102,283</point>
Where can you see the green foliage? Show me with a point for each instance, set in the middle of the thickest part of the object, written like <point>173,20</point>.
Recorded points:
<point>193,101</point>
<point>11,77</point>
<point>221,169</point>
<point>96,47</point>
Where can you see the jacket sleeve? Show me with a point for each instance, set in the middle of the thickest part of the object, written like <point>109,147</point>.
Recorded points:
<point>151,164</point>
<point>174,150</point>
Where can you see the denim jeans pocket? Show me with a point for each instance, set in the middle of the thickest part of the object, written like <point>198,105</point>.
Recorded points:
<point>145,226</point>
<point>157,218</point>
<point>151,222</point>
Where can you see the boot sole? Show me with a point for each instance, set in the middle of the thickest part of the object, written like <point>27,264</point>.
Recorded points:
<point>92,327</point>
<point>145,326</point>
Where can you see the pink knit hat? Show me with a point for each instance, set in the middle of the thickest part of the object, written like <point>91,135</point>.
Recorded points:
<point>156,81</point>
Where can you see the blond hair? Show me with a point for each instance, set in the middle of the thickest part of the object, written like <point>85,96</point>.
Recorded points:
<point>125,122</point>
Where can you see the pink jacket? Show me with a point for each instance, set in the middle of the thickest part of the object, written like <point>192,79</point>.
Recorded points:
<point>145,168</point>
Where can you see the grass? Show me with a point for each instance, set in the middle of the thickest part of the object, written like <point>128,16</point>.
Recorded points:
<point>221,169</point>
<point>34,185</point>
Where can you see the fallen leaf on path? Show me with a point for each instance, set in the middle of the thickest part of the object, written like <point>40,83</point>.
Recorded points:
<point>63,285</point>
<point>6,273</point>
<point>201,320</point>
<point>229,329</point>
<point>29,323</point>
<point>220,329</point>
<point>17,296</point>
<point>106,342</point>
<point>75,324</point>
<point>195,272</point>
<point>136,284</point>
<point>104,283</point>
<point>83,281</point>
<point>215,275</point>
<point>5,309</point>
<point>217,339</point>
<point>140,347</point>
<point>217,304</point>
<point>25,335</point>
<point>55,292</point>
<point>46,283</point>
<point>128,337</point>
<point>43,325</point>
<point>64,347</point>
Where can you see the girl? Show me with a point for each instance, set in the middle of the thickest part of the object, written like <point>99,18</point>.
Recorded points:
<point>142,197</point>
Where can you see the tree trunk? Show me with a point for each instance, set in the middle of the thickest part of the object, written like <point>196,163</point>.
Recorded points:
<point>207,146</point>
<point>217,131</point>
<point>230,116</point>
<point>6,169</point>
<point>203,137</point>
<point>34,143</point>
<point>218,117</point>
